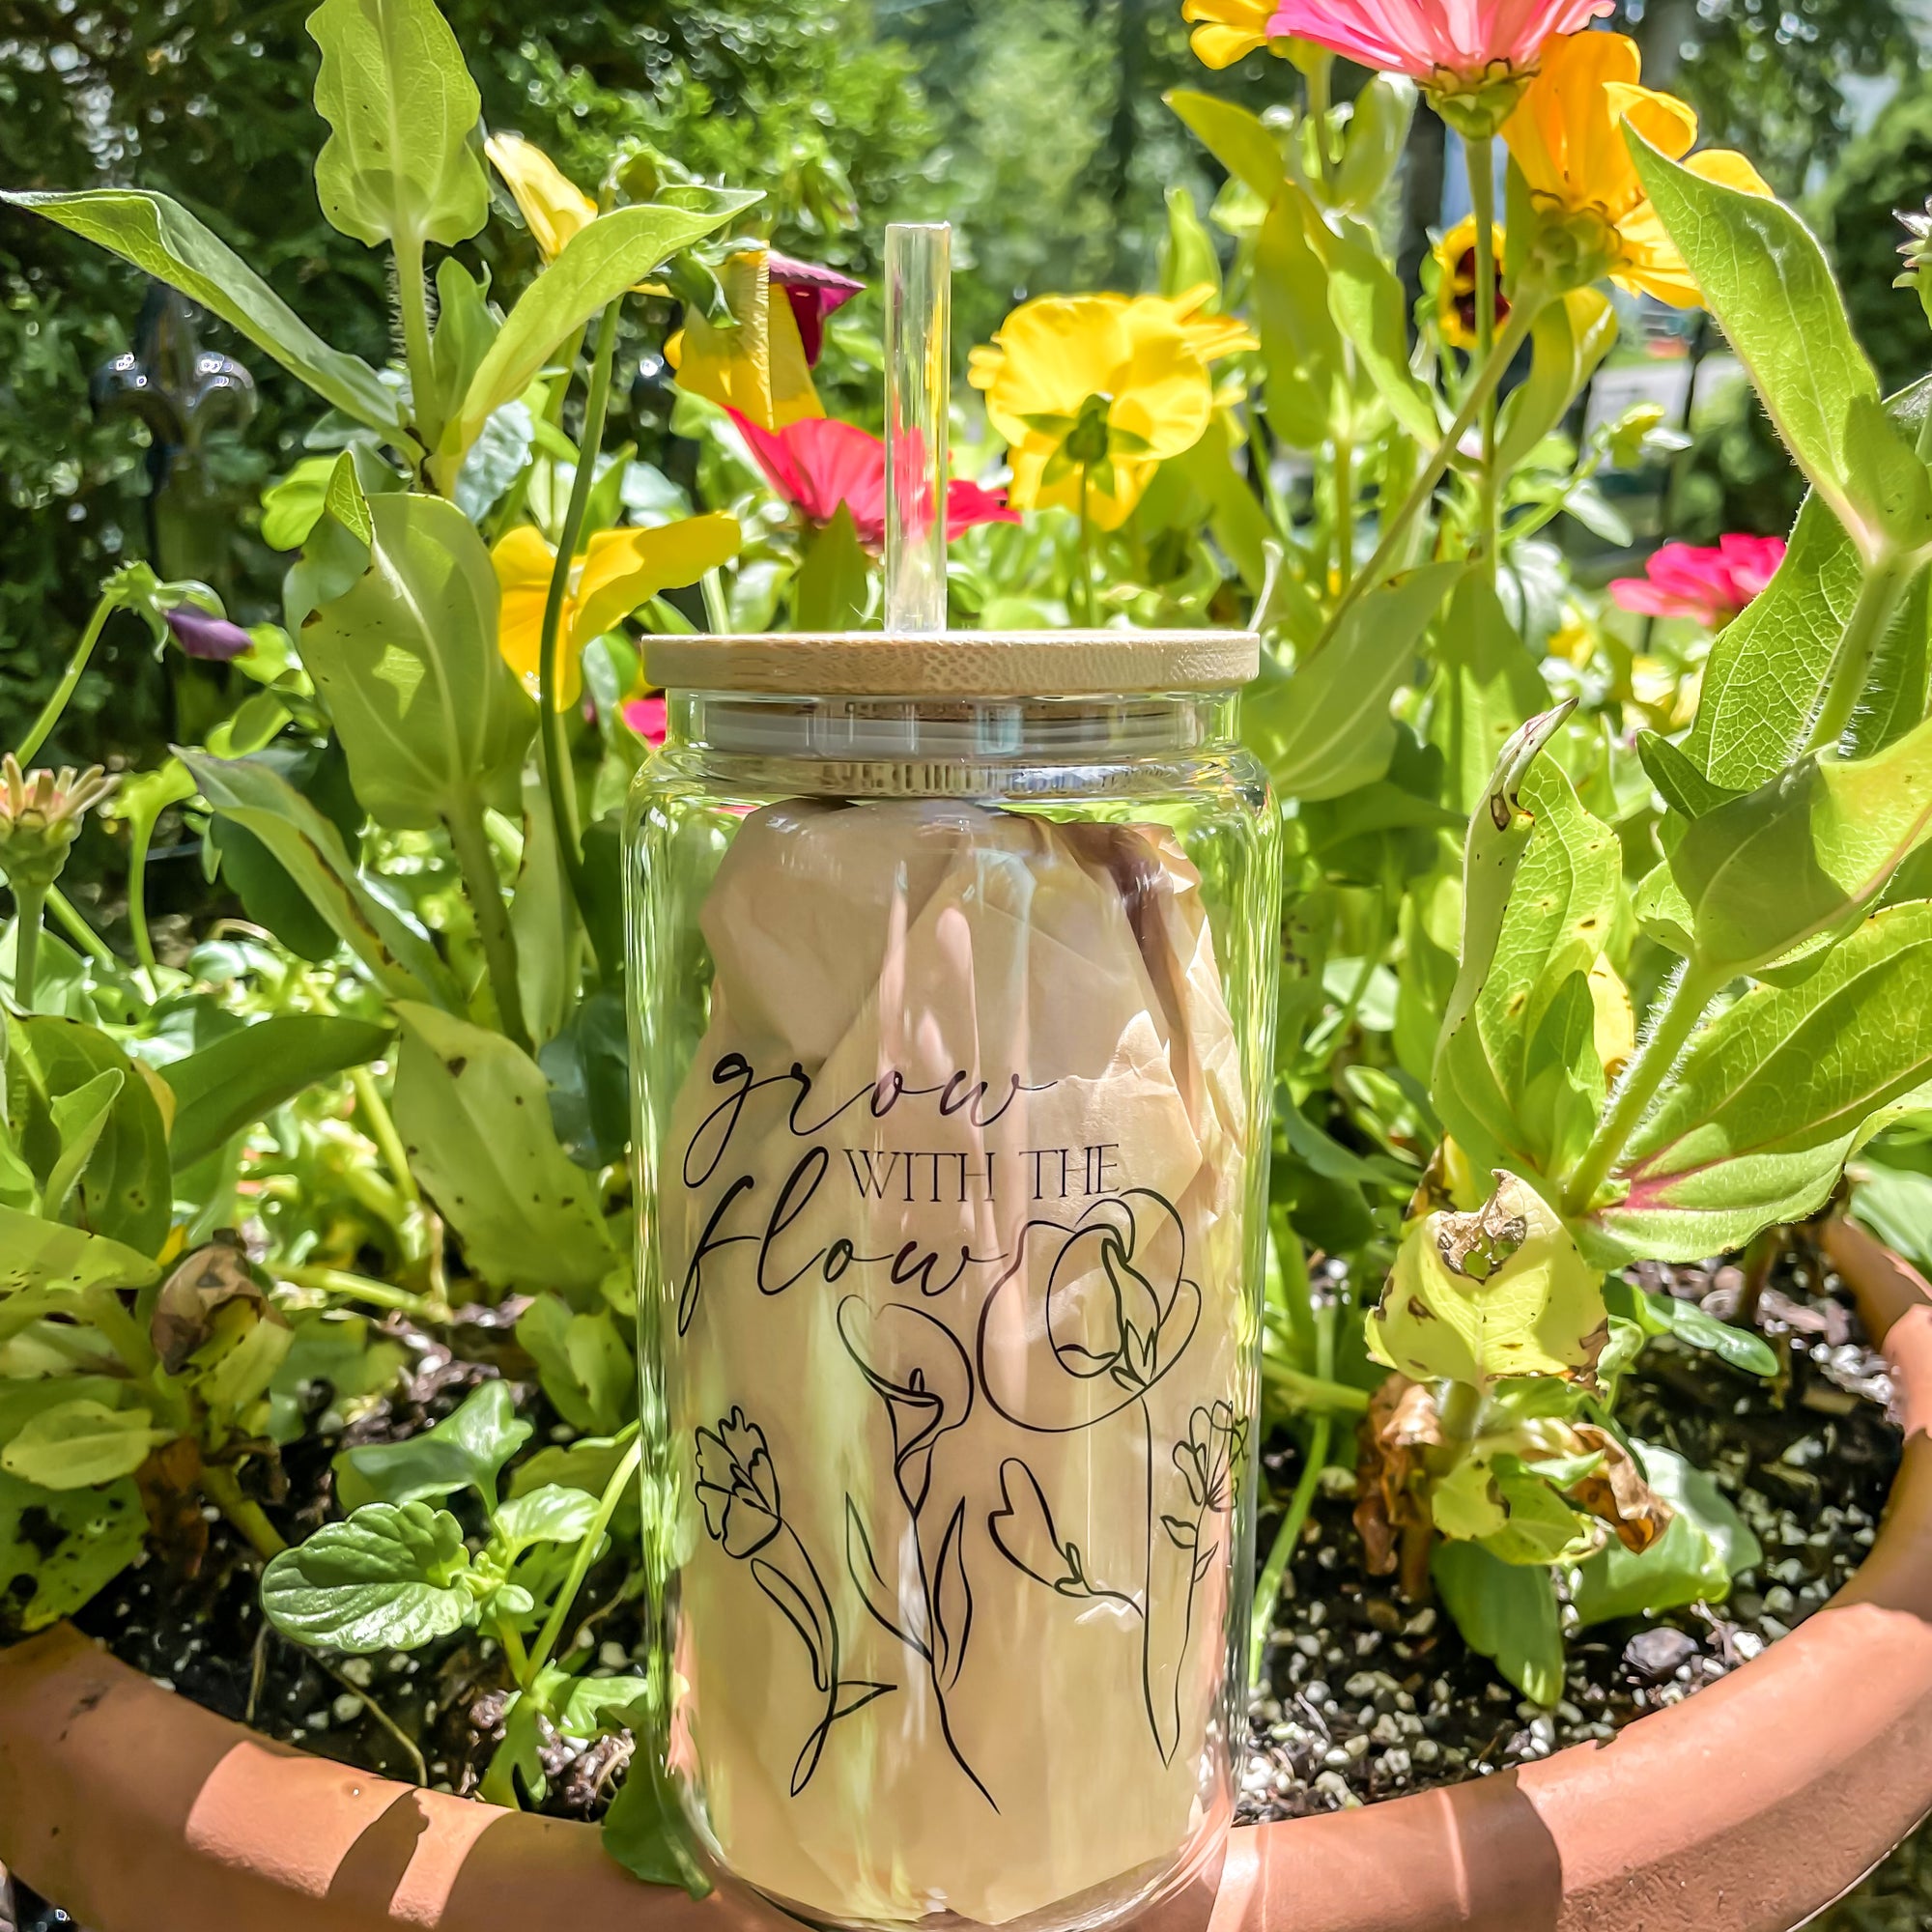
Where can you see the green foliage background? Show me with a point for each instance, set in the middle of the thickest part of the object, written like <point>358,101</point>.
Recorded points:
<point>1037,125</point>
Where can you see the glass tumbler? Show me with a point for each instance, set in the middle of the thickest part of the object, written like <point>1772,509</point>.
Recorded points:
<point>951,968</point>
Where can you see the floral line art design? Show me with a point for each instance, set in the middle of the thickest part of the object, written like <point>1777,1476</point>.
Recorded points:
<point>1124,1336</point>
<point>738,1491</point>
<point>916,1365</point>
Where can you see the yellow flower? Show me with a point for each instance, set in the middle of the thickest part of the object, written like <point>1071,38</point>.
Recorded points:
<point>1456,284</point>
<point>618,570</point>
<point>1229,30</point>
<point>1104,385</point>
<point>553,205</point>
<point>1567,137</point>
<point>759,368</point>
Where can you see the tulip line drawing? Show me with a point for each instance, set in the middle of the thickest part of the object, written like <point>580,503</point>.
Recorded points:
<point>738,1491</point>
<point>917,1367</point>
<point>1128,1334</point>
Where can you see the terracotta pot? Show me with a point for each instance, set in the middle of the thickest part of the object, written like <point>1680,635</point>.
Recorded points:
<point>1743,1809</point>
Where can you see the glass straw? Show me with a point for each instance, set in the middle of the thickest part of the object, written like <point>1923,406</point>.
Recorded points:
<point>919,366</point>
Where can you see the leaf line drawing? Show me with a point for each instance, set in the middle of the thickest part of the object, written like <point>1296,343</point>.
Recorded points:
<point>917,1367</point>
<point>1119,1314</point>
<point>738,1491</point>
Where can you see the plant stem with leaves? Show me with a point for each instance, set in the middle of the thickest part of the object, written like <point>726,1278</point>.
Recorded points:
<point>1482,390</point>
<point>478,866</point>
<point>554,742</point>
<point>57,702</point>
<point>1886,583</point>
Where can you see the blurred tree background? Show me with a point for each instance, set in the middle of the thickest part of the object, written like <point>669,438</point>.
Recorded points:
<point>1037,125</point>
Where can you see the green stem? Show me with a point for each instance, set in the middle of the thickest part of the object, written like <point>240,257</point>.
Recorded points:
<point>413,299</point>
<point>83,935</point>
<point>51,712</point>
<point>1480,150</point>
<point>621,1478</point>
<point>554,742</point>
<point>1345,511</point>
<point>1086,554</point>
<point>219,1487</point>
<point>1320,75</point>
<point>141,837</point>
<point>518,1657</point>
<point>1460,1410</point>
<point>1314,1393</point>
<point>28,901</point>
<point>478,866</point>
<point>1281,1552</point>
<point>1885,582</point>
<point>359,1287</point>
<point>1684,1007</point>
<point>383,1131</point>
<point>1488,378</point>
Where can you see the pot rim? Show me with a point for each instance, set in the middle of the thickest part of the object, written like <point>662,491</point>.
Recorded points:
<point>1745,1809</point>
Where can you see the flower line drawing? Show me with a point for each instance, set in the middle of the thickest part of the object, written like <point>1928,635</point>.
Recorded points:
<point>1119,1313</point>
<point>917,1367</point>
<point>738,1491</point>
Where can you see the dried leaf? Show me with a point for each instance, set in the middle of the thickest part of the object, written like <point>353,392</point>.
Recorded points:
<point>1617,1493</point>
<point>183,1319</point>
<point>1401,1424</point>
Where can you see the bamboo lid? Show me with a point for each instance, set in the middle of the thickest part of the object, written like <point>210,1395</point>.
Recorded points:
<point>957,663</point>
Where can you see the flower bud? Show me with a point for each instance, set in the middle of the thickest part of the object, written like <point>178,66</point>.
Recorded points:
<point>41,815</point>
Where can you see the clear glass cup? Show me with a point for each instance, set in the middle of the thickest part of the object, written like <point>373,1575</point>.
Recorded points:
<point>951,1029</point>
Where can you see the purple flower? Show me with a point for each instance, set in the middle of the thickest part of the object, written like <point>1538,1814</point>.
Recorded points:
<point>213,638</point>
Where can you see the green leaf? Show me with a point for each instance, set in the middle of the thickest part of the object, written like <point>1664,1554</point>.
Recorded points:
<point>38,1254</point>
<point>1803,856</point>
<point>80,1118</point>
<point>1486,685</point>
<point>1559,915</point>
<point>1774,1096</point>
<point>1505,1611</point>
<point>1703,1547</point>
<point>1766,279</point>
<point>1326,728</point>
<point>405,660</point>
<point>401,161</point>
<point>474,1114</point>
<point>164,240</point>
<point>1895,1205</point>
<point>1189,259</point>
<point>645,1832</point>
<point>829,590</point>
<point>586,1363</point>
<point>1500,829</point>
<point>1370,309</point>
<point>1486,1296</point>
<point>392,1577</point>
<point>336,552</point>
<point>1239,140</point>
<point>1301,346</point>
<point>555,1513</point>
<point>257,797</point>
<point>82,1445</point>
<point>116,1161</point>
<point>1378,130</point>
<point>1767,671</point>
<point>245,1076</point>
<point>587,1065</point>
<point>601,260</point>
<point>1678,778</point>
<point>331,1348</point>
<point>1568,340</point>
<point>465,1451</point>
<point>1665,1315</point>
<point>67,1546</point>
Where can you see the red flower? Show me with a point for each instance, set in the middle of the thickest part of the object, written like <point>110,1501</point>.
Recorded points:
<point>645,716</point>
<point>1709,586</point>
<point>820,463</point>
<point>813,292</point>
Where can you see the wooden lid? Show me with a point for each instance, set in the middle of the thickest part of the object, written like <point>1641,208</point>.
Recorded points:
<point>957,663</point>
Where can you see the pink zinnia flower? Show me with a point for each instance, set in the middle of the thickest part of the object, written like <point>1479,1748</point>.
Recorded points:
<point>820,463</point>
<point>1709,586</point>
<point>813,292</point>
<point>1434,41</point>
<point>645,716</point>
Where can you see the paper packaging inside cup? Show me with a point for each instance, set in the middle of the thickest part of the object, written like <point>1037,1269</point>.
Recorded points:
<point>952,1202</point>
